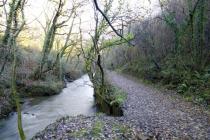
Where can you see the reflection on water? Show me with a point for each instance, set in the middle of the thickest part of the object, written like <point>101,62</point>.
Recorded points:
<point>77,98</point>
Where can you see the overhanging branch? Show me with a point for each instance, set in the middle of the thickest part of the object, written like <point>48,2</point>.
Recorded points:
<point>107,20</point>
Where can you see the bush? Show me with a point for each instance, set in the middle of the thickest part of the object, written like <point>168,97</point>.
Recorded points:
<point>116,96</point>
<point>193,85</point>
<point>41,88</point>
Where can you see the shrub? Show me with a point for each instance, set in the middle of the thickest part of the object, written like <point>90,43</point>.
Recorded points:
<point>42,88</point>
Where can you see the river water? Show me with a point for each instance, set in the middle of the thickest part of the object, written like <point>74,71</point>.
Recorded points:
<point>77,98</point>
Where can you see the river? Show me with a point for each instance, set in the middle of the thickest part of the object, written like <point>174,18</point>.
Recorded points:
<point>77,98</point>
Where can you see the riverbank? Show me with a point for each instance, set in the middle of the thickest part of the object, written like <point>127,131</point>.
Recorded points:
<point>29,88</point>
<point>38,112</point>
<point>26,90</point>
<point>89,128</point>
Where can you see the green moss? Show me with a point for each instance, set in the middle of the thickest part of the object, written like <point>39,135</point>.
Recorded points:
<point>97,128</point>
<point>111,101</point>
<point>99,114</point>
<point>79,134</point>
<point>121,128</point>
<point>189,98</point>
<point>117,95</point>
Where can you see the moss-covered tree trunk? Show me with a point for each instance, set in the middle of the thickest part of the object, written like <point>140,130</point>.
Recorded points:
<point>9,22</point>
<point>17,28</point>
<point>200,34</point>
<point>14,92</point>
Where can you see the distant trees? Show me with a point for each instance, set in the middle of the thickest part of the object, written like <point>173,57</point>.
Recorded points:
<point>49,38</point>
<point>59,20</point>
<point>192,24</point>
<point>171,47</point>
<point>178,30</point>
<point>68,43</point>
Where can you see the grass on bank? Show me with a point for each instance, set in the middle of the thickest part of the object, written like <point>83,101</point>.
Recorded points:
<point>117,95</point>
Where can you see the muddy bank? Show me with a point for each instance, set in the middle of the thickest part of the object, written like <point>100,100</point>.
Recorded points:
<point>6,103</point>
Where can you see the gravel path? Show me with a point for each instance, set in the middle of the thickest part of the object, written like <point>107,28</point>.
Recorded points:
<point>99,127</point>
<point>159,113</point>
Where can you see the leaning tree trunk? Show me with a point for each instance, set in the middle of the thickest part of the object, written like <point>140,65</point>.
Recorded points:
<point>14,91</point>
<point>12,42</point>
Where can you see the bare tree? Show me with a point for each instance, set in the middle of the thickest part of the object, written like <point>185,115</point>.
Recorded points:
<point>93,56</point>
<point>49,38</point>
<point>109,23</point>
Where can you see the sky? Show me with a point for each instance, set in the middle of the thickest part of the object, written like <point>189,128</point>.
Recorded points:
<point>36,11</point>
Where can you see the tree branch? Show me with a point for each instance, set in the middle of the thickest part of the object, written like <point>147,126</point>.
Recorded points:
<point>107,20</point>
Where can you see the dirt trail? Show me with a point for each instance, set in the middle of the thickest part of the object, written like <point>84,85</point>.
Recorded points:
<point>157,113</point>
